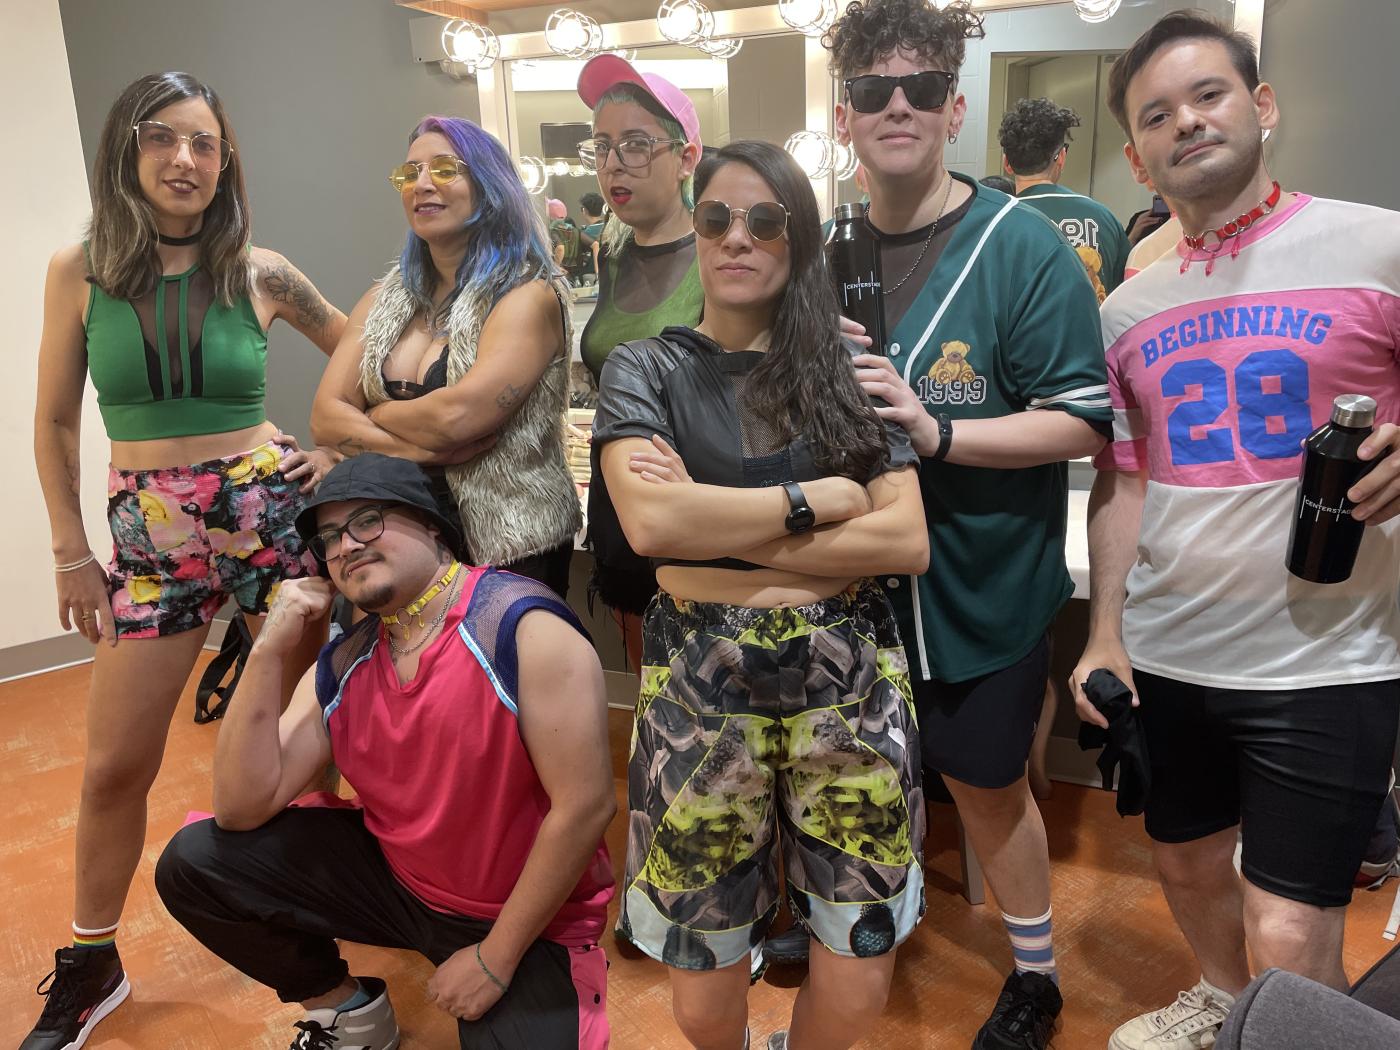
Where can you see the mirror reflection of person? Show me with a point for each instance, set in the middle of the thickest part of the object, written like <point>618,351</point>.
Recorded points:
<point>594,213</point>
<point>645,145</point>
<point>457,359</point>
<point>1035,137</point>
<point>995,368</point>
<point>166,306</point>
<point>745,460</point>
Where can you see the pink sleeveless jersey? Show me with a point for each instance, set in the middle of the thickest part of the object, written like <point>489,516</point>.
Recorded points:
<point>443,776</point>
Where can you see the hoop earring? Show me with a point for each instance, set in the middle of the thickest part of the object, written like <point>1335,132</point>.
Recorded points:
<point>952,138</point>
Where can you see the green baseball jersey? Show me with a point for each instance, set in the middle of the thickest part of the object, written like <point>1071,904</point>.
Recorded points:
<point>1005,323</point>
<point>1092,230</point>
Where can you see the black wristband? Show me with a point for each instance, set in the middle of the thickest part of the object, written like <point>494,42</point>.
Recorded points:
<point>945,437</point>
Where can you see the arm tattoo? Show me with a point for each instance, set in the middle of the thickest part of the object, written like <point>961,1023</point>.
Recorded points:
<point>350,447</point>
<point>286,285</point>
<point>509,397</point>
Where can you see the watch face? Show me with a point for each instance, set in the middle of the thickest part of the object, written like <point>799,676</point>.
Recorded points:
<point>801,520</point>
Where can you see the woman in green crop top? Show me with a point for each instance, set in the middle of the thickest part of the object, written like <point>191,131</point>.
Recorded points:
<point>645,145</point>
<point>166,306</point>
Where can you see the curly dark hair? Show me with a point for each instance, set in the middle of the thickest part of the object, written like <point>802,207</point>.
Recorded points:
<point>871,29</point>
<point>1032,132</point>
<point>591,203</point>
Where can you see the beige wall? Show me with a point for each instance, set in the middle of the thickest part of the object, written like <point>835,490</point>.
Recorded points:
<point>43,205</point>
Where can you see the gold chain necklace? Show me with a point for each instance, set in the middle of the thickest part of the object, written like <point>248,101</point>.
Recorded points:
<point>416,607</point>
<point>431,631</point>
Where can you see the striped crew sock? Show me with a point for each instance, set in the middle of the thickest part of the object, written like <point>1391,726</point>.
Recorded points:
<point>106,937</point>
<point>1032,945</point>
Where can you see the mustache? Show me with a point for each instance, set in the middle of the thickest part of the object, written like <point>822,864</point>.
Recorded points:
<point>1199,140</point>
<point>347,566</point>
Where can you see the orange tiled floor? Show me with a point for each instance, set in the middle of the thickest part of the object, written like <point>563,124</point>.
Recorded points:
<point>1118,951</point>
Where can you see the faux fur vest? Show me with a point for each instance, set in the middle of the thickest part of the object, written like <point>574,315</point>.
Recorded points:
<point>517,498</point>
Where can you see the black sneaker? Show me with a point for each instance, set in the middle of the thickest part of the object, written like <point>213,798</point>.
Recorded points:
<point>788,948</point>
<point>1024,1015</point>
<point>85,986</point>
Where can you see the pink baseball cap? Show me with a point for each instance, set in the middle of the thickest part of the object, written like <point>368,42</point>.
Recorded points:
<point>606,71</point>
<point>555,208</point>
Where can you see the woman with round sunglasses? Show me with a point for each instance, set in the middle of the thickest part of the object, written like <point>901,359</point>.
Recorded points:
<point>457,358</point>
<point>645,145</point>
<point>166,307</point>
<point>995,366</point>
<point>747,463</point>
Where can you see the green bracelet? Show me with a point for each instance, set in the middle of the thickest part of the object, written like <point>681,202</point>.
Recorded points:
<point>487,970</point>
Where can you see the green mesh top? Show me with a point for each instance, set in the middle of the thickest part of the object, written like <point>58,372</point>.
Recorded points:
<point>641,290</point>
<point>175,362</point>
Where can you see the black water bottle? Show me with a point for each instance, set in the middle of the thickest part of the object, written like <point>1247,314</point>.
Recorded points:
<point>1325,537</point>
<point>853,252</point>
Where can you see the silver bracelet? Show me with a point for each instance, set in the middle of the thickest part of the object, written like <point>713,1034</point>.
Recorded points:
<point>76,565</point>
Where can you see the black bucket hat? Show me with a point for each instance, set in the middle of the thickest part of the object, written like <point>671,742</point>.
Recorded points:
<point>372,475</point>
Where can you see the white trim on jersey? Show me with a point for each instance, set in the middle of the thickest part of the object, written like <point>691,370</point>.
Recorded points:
<point>956,287</point>
<point>1087,396</point>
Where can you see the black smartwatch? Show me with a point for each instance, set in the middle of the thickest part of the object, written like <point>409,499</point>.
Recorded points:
<point>801,517</point>
<point>945,437</point>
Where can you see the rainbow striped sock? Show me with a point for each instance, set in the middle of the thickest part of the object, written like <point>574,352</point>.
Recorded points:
<point>103,938</point>
<point>1032,945</point>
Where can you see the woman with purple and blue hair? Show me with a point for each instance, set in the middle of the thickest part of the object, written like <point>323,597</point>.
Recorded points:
<point>457,358</point>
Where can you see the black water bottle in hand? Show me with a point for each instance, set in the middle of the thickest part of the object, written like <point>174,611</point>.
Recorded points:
<point>1325,537</point>
<point>853,252</point>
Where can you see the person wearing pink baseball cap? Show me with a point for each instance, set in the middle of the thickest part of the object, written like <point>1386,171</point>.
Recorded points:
<point>645,145</point>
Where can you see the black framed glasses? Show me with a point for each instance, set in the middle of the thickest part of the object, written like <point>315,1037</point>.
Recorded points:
<point>635,152</point>
<point>442,169</point>
<point>364,526</point>
<point>209,152</point>
<point>765,221</point>
<point>872,92</point>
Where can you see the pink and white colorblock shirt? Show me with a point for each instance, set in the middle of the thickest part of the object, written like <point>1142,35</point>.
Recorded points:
<point>1215,378</point>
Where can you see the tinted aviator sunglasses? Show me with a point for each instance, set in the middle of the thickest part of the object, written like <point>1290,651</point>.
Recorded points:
<point>442,169</point>
<point>872,92</point>
<point>765,221</point>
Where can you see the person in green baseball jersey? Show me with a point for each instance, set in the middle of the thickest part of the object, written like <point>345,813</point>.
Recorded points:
<point>746,462</point>
<point>1035,137</point>
<point>996,369</point>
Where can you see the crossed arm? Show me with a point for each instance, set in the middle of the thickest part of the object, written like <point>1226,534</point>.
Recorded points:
<point>861,530</point>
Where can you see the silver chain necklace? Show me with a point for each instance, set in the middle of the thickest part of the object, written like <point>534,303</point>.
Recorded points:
<point>927,240</point>
<point>449,600</point>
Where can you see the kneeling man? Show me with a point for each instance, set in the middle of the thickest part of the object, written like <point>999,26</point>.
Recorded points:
<point>467,710</point>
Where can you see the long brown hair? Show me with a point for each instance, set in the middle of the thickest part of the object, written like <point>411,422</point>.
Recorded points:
<point>122,232</point>
<point>805,383</point>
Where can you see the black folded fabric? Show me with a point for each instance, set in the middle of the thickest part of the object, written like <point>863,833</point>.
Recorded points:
<point>1124,743</point>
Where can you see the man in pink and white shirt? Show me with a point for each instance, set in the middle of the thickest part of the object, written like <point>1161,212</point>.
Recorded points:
<point>1269,704</point>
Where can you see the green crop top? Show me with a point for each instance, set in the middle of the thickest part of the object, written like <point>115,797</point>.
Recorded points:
<point>175,362</point>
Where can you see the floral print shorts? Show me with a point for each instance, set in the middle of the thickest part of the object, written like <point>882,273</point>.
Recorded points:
<point>186,539</point>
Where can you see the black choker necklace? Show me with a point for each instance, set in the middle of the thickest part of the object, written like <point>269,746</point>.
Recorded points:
<point>179,242</point>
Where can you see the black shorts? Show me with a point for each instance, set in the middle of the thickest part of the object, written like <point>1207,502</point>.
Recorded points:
<point>1301,771</point>
<point>979,731</point>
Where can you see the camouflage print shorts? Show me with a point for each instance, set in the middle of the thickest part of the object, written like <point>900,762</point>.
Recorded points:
<point>756,726</point>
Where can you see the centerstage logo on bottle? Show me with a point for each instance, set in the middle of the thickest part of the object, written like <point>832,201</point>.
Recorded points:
<point>952,380</point>
<point>1319,509</point>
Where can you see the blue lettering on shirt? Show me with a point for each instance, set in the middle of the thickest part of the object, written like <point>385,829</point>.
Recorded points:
<point>1231,321</point>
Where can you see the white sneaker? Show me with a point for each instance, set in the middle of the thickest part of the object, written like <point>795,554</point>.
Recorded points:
<point>369,1027</point>
<point>1192,1022</point>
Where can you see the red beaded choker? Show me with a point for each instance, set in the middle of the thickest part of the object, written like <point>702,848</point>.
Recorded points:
<point>1231,229</point>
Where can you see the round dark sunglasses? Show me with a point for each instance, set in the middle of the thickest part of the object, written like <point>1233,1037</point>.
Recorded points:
<point>872,92</point>
<point>765,221</point>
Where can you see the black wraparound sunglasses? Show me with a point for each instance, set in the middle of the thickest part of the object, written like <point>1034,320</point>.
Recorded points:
<point>872,92</point>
